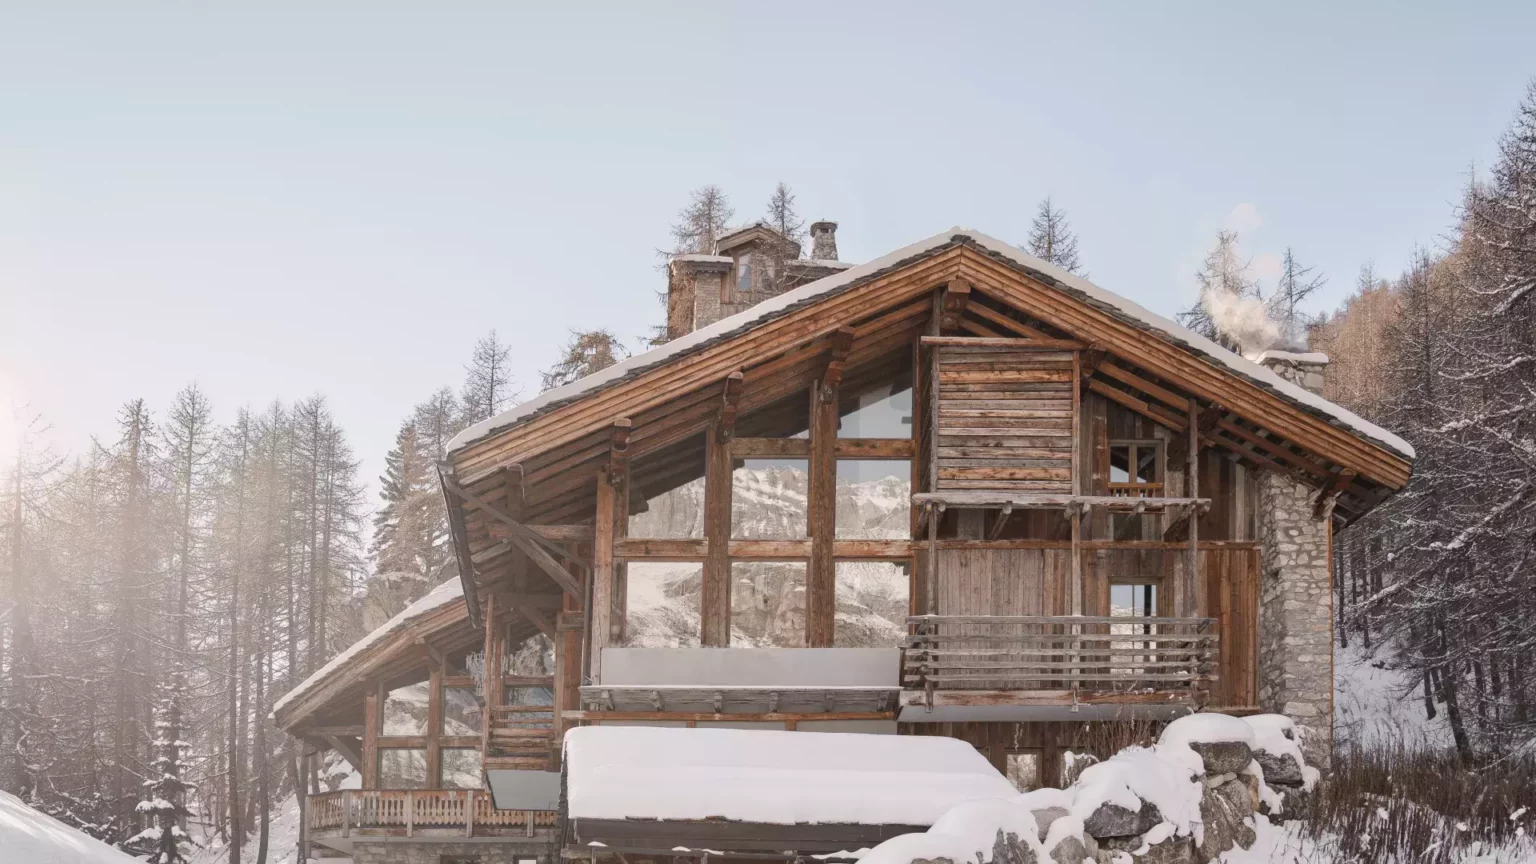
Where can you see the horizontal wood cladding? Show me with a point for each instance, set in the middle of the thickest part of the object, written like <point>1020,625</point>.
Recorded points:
<point>1000,281</point>
<point>665,382</point>
<point>1005,416</point>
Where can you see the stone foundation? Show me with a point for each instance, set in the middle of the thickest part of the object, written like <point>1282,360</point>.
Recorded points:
<point>488,851</point>
<point>1295,612</point>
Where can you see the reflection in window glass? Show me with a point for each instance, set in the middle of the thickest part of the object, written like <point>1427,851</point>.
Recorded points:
<point>460,767</point>
<point>663,604</point>
<point>461,711</point>
<point>675,514</point>
<point>768,499</point>
<point>768,604</point>
<point>874,499</point>
<point>1024,770</point>
<point>884,411</point>
<point>405,710</point>
<point>402,768</point>
<point>872,604</point>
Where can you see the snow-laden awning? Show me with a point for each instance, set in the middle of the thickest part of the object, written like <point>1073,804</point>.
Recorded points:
<point>29,836</point>
<point>771,778</point>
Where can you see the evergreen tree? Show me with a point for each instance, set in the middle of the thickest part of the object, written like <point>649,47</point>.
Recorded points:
<point>488,386</point>
<point>585,353</point>
<point>1285,303</point>
<point>1051,238</point>
<point>164,839</point>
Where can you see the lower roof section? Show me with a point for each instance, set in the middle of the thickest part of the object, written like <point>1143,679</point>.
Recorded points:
<point>627,773</point>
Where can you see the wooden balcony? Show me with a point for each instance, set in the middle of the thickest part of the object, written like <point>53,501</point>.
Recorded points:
<point>958,661</point>
<point>446,813</point>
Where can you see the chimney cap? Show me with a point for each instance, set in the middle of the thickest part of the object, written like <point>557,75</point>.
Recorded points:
<point>823,225</point>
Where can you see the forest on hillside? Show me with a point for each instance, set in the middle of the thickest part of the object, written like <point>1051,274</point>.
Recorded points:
<point>163,588</point>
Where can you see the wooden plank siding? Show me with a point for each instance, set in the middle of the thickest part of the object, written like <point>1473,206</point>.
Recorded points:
<point>1004,419</point>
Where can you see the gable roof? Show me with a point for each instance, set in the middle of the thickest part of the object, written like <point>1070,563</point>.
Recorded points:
<point>1117,306</point>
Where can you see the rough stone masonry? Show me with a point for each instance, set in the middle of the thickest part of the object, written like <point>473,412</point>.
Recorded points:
<point>1295,612</point>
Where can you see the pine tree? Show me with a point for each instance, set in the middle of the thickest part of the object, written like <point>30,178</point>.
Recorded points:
<point>771,274</point>
<point>165,839</point>
<point>1051,238</point>
<point>700,224</point>
<point>1285,303</point>
<point>1230,308</point>
<point>585,353</point>
<point>488,386</point>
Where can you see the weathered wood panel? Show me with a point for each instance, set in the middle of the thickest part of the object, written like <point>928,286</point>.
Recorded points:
<point>1004,418</point>
<point>1232,592</point>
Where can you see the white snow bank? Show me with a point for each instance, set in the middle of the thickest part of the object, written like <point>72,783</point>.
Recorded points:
<point>779,778</point>
<point>1159,775</point>
<point>30,837</point>
<point>968,832</point>
<point>773,307</point>
<point>1277,735</point>
<point>437,598</point>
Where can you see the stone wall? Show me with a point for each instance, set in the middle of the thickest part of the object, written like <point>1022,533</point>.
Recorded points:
<point>1295,611</point>
<point>486,851</point>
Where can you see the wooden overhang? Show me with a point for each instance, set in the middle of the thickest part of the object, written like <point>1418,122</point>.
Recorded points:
<point>557,448</point>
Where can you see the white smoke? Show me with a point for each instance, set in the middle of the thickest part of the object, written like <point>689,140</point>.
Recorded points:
<point>1243,319</point>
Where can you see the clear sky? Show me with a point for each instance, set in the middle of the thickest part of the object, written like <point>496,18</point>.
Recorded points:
<point>279,199</point>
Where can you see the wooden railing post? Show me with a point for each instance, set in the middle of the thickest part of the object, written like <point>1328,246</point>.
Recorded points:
<point>346,813</point>
<point>410,813</point>
<point>469,813</point>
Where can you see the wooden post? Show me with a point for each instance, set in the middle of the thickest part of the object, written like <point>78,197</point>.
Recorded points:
<point>371,737</point>
<point>1075,513</point>
<point>1194,604</point>
<point>715,602</point>
<point>469,813</point>
<point>600,625</point>
<point>346,813</point>
<point>618,477</point>
<point>410,813</point>
<point>493,682</point>
<point>821,509</point>
<point>434,722</point>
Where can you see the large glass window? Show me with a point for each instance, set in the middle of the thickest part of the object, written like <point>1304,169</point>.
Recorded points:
<point>883,411</point>
<point>462,715</point>
<point>768,499</point>
<point>872,604</point>
<point>402,768</point>
<point>667,492</point>
<point>405,710</point>
<point>460,768</point>
<point>1135,471</point>
<point>874,499</point>
<point>768,604</point>
<point>663,604</point>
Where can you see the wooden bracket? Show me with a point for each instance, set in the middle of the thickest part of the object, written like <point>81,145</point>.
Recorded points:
<point>842,345</point>
<point>539,620</point>
<point>1209,418</point>
<point>347,751</point>
<point>524,538</point>
<point>730,399</point>
<point>999,521</point>
<point>956,296</point>
<point>434,652</point>
<point>1341,478</point>
<point>618,450</point>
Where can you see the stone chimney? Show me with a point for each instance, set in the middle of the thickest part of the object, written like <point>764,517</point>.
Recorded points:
<point>1304,370</point>
<point>824,241</point>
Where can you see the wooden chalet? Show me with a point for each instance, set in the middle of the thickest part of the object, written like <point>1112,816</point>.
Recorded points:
<point>1106,517</point>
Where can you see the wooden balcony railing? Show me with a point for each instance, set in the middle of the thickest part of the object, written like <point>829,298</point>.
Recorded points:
<point>521,737</point>
<point>1093,658</point>
<point>462,811</point>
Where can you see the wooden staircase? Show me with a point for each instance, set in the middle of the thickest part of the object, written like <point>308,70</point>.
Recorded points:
<point>521,737</point>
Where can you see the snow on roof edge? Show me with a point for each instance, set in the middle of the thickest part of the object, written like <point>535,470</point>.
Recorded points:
<point>437,598</point>
<point>1100,297</point>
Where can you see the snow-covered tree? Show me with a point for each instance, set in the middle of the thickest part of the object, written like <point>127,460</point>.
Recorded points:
<point>164,838</point>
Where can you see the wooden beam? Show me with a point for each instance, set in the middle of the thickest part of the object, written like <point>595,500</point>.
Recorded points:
<point>1272,447</point>
<point>347,751</point>
<point>1342,477</point>
<point>528,541</point>
<point>1173,400</point>
<point>538,619</point>
<point>956,296</point>
<point>1003,342</point>
<point>1018,328</point>
<point>821,512</point>
<point>800,448</point>
<point>602,575</point>
<point>715,592</point>
<point>370,755</point>
<point>1141,407</point>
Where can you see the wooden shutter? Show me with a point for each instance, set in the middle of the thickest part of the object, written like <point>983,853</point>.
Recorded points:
<point>1005,419</point>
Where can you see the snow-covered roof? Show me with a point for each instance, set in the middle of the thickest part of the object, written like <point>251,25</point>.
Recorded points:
<point>1072,284</point>
<point>775,778</point>
<point>35,838</point>
<point>437,598</point>
<point>1292,356</point>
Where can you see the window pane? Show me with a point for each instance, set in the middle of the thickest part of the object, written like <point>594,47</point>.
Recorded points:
<point>405,710</point>
<point>663,604</point>
<point>528,696</point>
<point>460,768</point>
<point>461,711</point>
<point>768,604</point>
<point>1119,464</point>
<point>671,483</point>
<point>1024,770</point>
<point>872,604</point>
<point>884,411</point>
<point>535,655</point>
<point>768,499</point>
<point>401,768</point>
<point>874,499</point>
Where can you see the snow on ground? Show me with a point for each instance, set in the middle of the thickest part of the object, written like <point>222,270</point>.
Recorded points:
<point>1375,704</point>
<point>1284,844</point>
<point>30,837</point>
